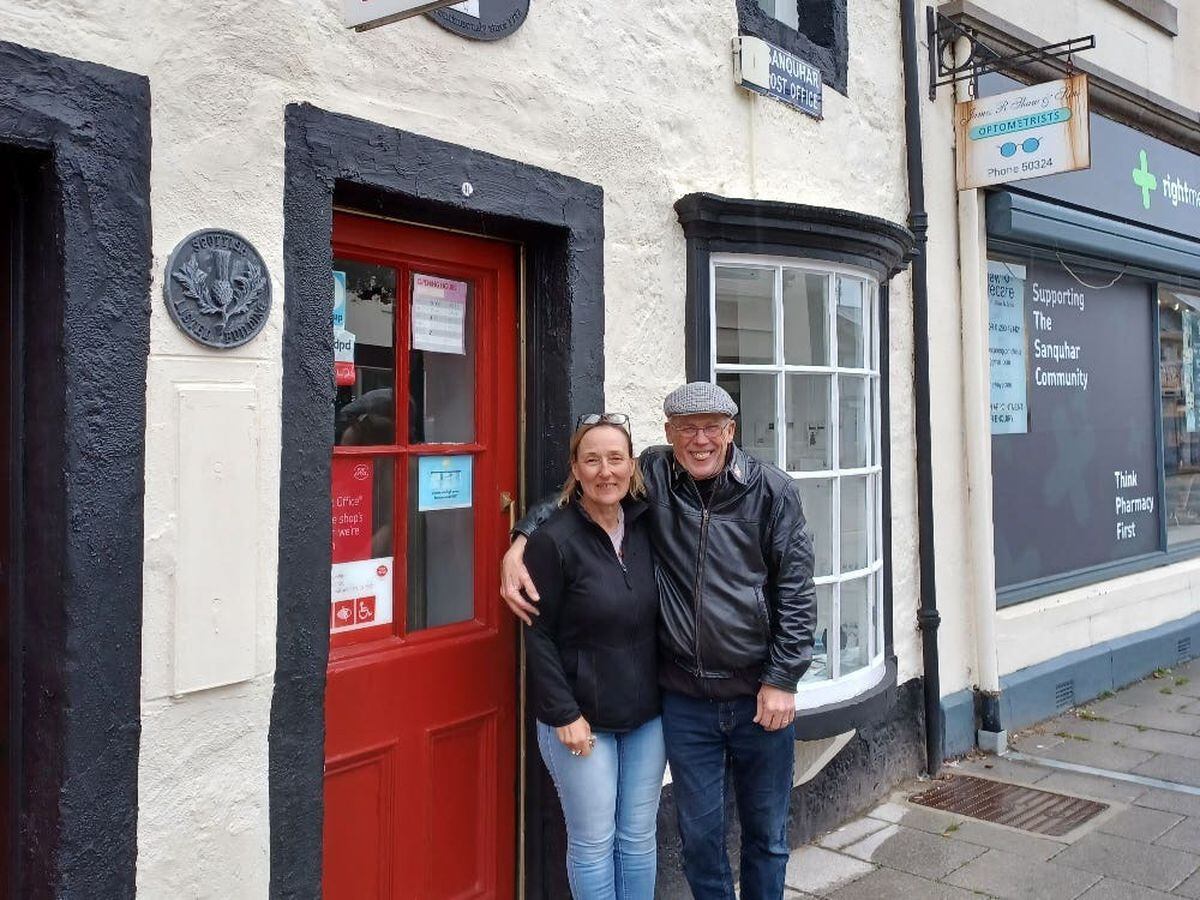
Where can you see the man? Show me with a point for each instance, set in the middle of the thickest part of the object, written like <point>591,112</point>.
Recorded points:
<point>736,601</point>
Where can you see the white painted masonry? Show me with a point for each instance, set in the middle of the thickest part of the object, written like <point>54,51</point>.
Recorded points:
<point>636,97</point>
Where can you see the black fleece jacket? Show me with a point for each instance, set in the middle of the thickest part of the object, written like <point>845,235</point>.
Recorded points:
<point>593,649</point>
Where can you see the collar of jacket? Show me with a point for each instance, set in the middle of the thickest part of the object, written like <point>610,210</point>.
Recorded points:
<point>735,466</point>
<point>633,508</point>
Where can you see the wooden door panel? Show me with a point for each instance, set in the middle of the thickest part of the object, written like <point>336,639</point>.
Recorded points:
<point>461,788</point>
<point>359,814</point>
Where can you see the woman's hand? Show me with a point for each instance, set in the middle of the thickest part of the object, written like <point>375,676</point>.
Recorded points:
<point>577,737</point>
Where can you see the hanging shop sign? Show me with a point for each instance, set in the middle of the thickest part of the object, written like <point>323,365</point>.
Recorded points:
<point>773,72</point>
<point>482,20</point>
<point>1038,130</point>
<point>217,288</point>
<point>363,14</point>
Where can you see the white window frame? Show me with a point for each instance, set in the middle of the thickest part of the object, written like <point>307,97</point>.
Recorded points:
<point>813,695</point>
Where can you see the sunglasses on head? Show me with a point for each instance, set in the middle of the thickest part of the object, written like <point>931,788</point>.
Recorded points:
<point>603,419</point>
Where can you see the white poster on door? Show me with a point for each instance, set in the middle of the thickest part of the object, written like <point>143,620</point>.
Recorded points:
<point>360,594</point>
<point>1006,348</point>
<point>439,314</point>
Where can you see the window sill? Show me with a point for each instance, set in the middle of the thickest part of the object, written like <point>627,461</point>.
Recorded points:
<point>872,692</point>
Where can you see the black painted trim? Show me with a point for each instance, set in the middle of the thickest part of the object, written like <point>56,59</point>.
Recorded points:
<point>335,158</point>
<point>87,336</point>
<point>713,224</point>
<point>822,38</point>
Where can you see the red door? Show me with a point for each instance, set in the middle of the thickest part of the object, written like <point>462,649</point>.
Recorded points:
<point>420,704</point>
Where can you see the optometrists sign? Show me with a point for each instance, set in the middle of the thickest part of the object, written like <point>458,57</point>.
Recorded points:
<point>1038,130</point>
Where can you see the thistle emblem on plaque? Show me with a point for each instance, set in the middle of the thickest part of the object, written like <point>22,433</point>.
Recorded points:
<point>217,288</point>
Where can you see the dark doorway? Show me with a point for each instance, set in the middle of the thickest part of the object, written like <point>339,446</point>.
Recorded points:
<point>7,210</point>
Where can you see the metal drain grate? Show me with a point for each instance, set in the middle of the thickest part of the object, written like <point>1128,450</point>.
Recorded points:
<point>1009,804</point>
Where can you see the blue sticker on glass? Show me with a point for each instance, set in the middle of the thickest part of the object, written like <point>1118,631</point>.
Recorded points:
<point>444,482</point>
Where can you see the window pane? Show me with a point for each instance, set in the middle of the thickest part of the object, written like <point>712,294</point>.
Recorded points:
<point>806,406</point>
<point>441,553</point>
<point>851,330</point>
<point>857,624</point>
<point>755,396</point>
<point>365,345</point>
<point>858,522</point>
<point>805,319</point>
<point>820,669</point>
<point>786,11</point>
<point>856,424</point>
<point>361,526</point>
<point>745,315</point>
<point>816,494</point>
<point>1179,331</point>
<point>441,405</point>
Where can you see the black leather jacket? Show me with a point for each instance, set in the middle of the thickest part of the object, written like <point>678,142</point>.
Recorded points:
<point>735,586</point>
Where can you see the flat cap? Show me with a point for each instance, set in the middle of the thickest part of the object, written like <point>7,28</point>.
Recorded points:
<point>698,397</point>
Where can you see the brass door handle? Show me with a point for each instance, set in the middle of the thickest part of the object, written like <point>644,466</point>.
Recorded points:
<point>507,503</point>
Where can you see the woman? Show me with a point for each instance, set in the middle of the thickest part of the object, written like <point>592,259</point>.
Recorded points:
<point>593,667</point>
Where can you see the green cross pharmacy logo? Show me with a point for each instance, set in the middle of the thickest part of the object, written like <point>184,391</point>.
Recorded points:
<point>1145,179</point>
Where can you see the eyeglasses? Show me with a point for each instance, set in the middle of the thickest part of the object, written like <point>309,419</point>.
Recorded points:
<point>690,431</point>
<point>1029,145</point>
<point>603,419</point>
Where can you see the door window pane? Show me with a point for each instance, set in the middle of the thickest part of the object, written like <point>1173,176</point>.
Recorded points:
<point>858,522</point>
<point>855,422</point>
<point>851,330</point>
<point>362,540</point>
<point>1179,347</point>
<point>805,319</point>
<point>806,406</point>
<point>816,494</point>
<point>441,554</point>
<point>856,629</point>
<point>745,311</point>
<point>755,396</point>
<point>364,341</point>
<point>441,404</point>
<point>820,668</point>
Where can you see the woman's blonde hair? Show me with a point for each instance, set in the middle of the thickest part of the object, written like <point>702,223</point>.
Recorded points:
<point>637,486</point>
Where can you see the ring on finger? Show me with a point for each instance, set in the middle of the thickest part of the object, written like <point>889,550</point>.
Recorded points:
<point>577,753</point>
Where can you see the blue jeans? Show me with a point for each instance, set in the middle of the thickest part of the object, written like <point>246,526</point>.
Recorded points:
<point>702,737</point>
<point>610,801</point>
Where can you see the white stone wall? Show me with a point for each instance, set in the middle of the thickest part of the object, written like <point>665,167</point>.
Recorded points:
<point>634,96</point>
<point>1039,630</point>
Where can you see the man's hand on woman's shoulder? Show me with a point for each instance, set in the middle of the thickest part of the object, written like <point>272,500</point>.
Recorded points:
<point>516,587</point>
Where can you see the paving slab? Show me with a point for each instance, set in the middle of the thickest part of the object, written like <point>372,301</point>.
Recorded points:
<point>922,818</point>
<point>1169,767</point>
<point>1001,874</point>
<point>1022,843</point>
<point>1113,757</point>
<point>1002,769</point>
<point>888,884</point>
<point>1112,889</point>
<point>1149,865</point>
<point>1093,729</point>
<point>1184,836</point>
<point>855,831</point>
<point>1170,801</point>
<point>1155,693</point>
<point>1093,786</point>
<point>1190,888</point>
<point>815,870</point>
<point>1187,745</point>
<point>1161,719</point>
<point>1192,709</point>
<point>1108,708</point>
<point>915,852</point>
<point>1036,743</point>
<point>1140,824</point>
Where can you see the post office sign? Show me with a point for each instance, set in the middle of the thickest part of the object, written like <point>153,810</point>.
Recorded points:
<point>364,14</point>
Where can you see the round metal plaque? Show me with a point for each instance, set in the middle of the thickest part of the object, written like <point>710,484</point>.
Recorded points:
<point>217,288</point>
<point>482,20</point>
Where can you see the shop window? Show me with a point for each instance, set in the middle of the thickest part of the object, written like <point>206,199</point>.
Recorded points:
<point>1179,359</point>
<point>814,30</point>
<point>796,345</point>
<point>1075,475</point>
